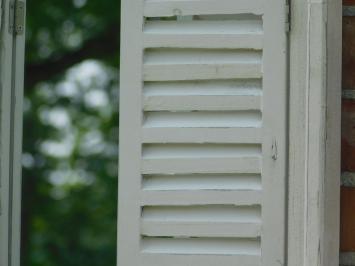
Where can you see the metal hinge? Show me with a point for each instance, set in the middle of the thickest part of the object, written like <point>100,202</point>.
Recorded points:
<point>288,17</point>
<point>274,152</point>
<point>17,17</point>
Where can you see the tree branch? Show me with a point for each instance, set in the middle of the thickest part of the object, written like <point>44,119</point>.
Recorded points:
<point>103,46</point>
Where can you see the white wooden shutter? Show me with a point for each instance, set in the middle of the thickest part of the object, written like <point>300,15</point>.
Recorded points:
<point>11,95</point>
<point>203,133</point>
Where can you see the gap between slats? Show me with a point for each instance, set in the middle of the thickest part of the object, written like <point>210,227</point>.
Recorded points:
<point>167,8</point>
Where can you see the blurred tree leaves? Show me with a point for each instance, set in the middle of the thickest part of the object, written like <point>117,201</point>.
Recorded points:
<point>70,133</point>
<point>54,27</point>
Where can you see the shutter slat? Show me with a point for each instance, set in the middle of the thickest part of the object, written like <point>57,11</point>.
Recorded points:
<point>192,165</point>
<point>201,103</point>
<point>187,198</point>
<point>232,34</point>
<point>222,70</point>
<point>206,260</point>
<point>203,119</point>
<point>192,182</point>
<point>251,41</point>
<point>201,246</point>
<point>190,64</point>
<point>200,229</point>
<point>162,8</point>
<point>201,135</point>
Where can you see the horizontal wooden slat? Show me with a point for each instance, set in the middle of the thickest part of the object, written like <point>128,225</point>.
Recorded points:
<point>201,103</point>
<point>251,41</point>
<point>204,71</point>
<point>200,151</point>
<point>202,221</point>
<point>206,260</point>
<point>201,246</point>
<point>203,119</point>
<point>230,34</point>
<point>195,165</point>
<point>202,213</point>
<point>200,229</point>
<point>195,182</point>
<point>190,64</point>
<point>201,135</point>
<point>161,8</point>
<point>233,87</point>
<point>188,198</point>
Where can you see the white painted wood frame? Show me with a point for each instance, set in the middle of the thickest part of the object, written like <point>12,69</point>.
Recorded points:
<point>203,126</point>
<point>11,96</point>
<point>314,128</point>
<point>315,115</point>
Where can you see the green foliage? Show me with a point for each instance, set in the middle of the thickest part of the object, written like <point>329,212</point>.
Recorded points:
<point>70,140</point>
<point>58,26</point>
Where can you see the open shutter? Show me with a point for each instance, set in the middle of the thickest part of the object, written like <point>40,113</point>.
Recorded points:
<point>203,133</point>
<point>11,94</point>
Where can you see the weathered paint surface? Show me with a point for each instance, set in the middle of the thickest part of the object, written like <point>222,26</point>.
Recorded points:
<point>11,95</point>
<point>203,133</point>
<point>314,183</point>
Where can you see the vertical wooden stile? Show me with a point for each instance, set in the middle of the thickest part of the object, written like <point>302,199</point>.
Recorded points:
<point>11,96</point>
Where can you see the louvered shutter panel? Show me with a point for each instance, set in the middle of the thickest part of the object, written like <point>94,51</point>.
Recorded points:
<point>203,133</point>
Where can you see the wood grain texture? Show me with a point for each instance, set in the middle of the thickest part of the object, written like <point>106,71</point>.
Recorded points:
<point>315,133</point>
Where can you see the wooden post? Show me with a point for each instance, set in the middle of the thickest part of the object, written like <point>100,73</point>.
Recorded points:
<point>11,95</point>
<point>314,173</point>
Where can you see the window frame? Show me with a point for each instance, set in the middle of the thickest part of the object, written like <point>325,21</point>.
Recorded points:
<point>314,127</point>
<point>11,96</point>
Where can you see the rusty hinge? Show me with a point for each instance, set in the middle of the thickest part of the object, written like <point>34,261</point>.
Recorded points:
<point>17,17</point>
